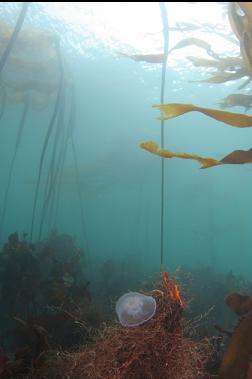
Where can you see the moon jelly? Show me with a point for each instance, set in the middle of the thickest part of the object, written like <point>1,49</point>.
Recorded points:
<point>134,308</point>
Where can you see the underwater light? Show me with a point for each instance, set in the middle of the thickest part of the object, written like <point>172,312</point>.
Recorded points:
<point>134,308</point>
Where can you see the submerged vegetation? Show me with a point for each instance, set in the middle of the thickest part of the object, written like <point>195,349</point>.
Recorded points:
<point>45,299</point>
<point>56,322</point>
<point>227,69</point>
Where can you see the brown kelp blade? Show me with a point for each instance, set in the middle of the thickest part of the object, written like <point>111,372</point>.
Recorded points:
<point>240,304</point>
<point>241,25</point>
<point>152,147</point>
<point>202,62</point>
<point>236,360</point>
<point>246,6</point>
<point>236,157</point>
<point>224,77</point>
<point>237,99</point>
<point>173,110</point>
<point>196,42</point>
<point>233,64</point>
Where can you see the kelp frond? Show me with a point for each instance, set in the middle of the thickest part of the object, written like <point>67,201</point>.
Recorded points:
<point>153,148</point>
<point>236,157</point>
<point>173,110</point>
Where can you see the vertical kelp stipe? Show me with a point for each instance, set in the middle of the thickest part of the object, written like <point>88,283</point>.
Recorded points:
<point>49,131</point>
<point>166,49</point>
<point>14,35</point>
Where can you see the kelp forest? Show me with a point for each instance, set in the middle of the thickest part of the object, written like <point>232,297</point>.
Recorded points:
<point>110,256</point>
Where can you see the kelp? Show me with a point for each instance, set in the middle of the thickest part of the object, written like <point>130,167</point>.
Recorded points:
<point>236,157</point>
<point>13,160</point>
<point>236,21</point>
<point>196,42</point>
<point>230,64</point>
<point>236,363</point>
<point>173,110</point>
<point>224,77</point>
<point>202,62</point>
<point>28,37</point>
<point>247,9</point>
<point>241,25</point>
<point>37,85</point>
<point>152,147</point>
<point>240,304</point>
<point>38,100</point>
<point>243,85</point>
<point>223,64</point>
<point>14,35</point>
<point>236,99</point>
<point>246,50</point>
<point>149,58</point>
<point>49,132</point>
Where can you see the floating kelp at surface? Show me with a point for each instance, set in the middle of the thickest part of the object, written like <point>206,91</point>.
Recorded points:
<point>29,68</point>
<point>224,77</point>
<point>173,110</point>
<point>241,27</point>
<point>235,100</point>
<point>149,58</point>
<point>196,42</point>
<point>229,64</point>
<point>14,35</point>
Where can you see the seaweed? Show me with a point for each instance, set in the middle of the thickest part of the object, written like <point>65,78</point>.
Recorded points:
<point>45,300</point>
<point>157,349</point>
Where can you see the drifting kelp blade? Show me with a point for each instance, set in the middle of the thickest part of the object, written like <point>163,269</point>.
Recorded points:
<point>174,110</point>
<point>152,147</point>
<point>196,42</point>
<point>236,99</point>
<point>203,62</point>
<point>238,157</point>
<point>224,77</point>
<point>149,58</point>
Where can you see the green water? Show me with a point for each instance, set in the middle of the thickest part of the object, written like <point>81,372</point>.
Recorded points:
<point>207,212</point>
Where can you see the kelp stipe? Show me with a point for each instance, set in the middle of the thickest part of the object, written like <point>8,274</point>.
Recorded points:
<point>14,35</point>
<point>18,140</point>
<point>49,132</point>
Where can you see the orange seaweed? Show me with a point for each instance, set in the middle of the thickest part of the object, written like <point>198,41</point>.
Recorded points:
<point>240,304</point>
<point>152,147</point>
<point>157,349</point>
<point>172,110</point>
<point>236,361</point>
<point>236,157</point>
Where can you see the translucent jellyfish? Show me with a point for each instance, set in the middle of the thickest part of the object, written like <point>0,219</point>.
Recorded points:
<point>134,308</point>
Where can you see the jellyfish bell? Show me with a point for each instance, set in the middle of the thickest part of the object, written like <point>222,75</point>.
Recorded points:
<point>134,308</point>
